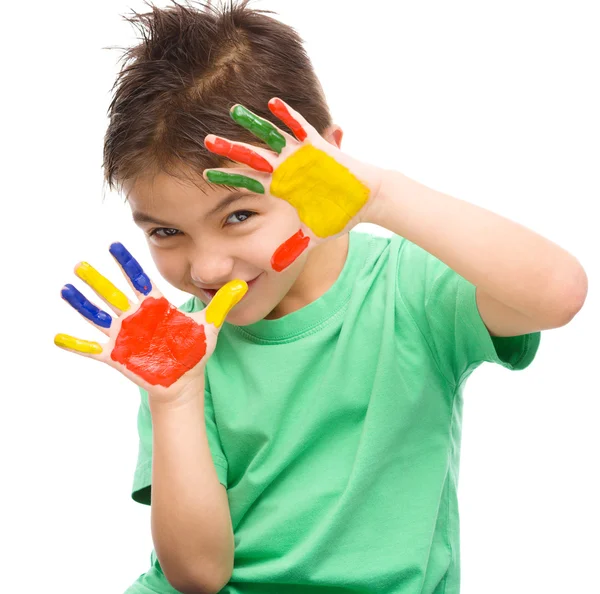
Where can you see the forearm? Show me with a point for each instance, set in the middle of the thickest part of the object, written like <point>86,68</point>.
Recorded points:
<point>512,263</point>
<point>191,524</point>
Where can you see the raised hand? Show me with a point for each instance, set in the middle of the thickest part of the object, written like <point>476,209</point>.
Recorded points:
<point>150,341</point>
<point>330,190</point>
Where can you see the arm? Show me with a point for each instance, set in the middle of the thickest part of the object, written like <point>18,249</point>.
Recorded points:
<point>164,351</point>
<point>525,282</point>
<point>191,523</point>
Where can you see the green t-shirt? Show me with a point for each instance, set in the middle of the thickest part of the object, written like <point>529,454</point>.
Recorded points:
<point>336,429</point>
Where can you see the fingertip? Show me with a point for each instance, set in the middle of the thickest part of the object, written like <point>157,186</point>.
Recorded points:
<point>237,110</point>
<point>239,285</point>
<point>115,246</point>
<point>228,296</point>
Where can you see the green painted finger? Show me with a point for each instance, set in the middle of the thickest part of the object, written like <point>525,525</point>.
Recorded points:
<point>236,180</point>
<point>263,129</point>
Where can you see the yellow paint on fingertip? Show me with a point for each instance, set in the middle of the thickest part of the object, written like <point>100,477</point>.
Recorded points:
<point>102,286</point>
<point>222,303</point>
<point>324,192</point>
<point>83,346</point>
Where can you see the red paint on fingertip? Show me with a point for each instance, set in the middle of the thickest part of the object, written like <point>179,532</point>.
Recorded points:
<point>289,250</point>
<point>241,154</point>
<point>279,109</point>
<point>159,343</point>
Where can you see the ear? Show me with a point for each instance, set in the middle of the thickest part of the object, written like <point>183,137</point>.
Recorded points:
<point>334,134</point>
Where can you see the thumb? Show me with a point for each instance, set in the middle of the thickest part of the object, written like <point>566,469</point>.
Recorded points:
<point>224,300</point>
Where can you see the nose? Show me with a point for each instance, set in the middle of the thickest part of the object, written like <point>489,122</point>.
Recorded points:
<point>209,268</point>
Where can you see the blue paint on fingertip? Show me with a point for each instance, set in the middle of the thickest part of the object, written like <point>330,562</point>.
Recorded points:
<point>132,268</point>
<point>87,309</point>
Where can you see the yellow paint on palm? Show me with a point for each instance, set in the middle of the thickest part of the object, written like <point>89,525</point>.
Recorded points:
<point>102,286</point>
<point>324,192</point>
<point>83,346</point>
<point>222,303</point>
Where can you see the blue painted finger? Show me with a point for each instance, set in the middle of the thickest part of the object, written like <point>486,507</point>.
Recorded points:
<point>87,309</point>
<point>132,268</point>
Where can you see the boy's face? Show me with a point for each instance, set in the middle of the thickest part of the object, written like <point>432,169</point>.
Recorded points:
<point>200,240</point>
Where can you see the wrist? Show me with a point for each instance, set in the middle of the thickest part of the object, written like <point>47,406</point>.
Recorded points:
<point>386,198</point>
<point>186,397</point>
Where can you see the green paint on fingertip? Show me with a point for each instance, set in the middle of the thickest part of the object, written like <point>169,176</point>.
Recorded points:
<point>236,180</point>
<point>260,127</point>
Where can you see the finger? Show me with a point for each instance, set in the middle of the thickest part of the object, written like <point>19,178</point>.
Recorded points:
<point>289,251</point>
<point>267,132</point>
<point>103,287</point>
<point>86,308</point>
<point>227,178</point>
<point>138,279</point>
<point>223,302</point>
<point>84,347</point>
<point>240,152</point>
<point>291,118</point>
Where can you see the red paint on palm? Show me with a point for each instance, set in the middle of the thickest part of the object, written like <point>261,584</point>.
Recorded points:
<point>289,250</point>
<point>240,154</point>
<point>279,110</point>
<point>159,343</point>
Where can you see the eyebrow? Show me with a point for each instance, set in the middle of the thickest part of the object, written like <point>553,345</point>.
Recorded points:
<point>141,217</point>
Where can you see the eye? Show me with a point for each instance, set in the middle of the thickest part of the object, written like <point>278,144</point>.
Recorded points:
<point>158,232</point>
<point>240,215</point>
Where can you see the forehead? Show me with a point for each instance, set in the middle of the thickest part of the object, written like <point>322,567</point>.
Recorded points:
<point>164,189</point>
<point>169,198</point>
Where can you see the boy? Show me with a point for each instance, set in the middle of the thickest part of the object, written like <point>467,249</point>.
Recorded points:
<point>311,442</point>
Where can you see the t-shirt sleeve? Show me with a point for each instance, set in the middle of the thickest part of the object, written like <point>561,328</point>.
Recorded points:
<point>142,479</point>
<point>443,305</point>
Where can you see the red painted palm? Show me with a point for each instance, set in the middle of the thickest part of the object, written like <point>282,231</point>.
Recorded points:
<point>149,340</point>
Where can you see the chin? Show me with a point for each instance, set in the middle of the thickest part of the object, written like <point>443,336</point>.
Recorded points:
<point>243,318</point>
<point>244,314</point>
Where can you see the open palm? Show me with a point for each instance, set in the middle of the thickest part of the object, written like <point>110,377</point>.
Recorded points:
<point>330,190</point>
<point>150,341</point>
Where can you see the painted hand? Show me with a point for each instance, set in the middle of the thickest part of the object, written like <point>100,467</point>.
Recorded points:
<point>330,190</point>
<point>150,341</point>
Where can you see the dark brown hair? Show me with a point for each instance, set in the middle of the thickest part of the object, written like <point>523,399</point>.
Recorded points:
<point>195,62</point>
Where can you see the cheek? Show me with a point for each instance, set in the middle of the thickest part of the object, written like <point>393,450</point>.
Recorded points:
<point>281,224</point>
<point>172,265</point>
<point>287,277</point>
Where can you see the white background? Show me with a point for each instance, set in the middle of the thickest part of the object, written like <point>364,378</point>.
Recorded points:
<point>494,103</point>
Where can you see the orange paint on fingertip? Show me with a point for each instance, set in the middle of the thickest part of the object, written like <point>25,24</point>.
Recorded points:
<point>280,110</point>
<point>235,152</point>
